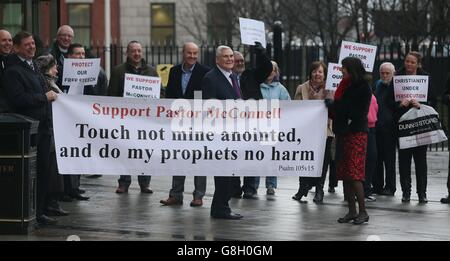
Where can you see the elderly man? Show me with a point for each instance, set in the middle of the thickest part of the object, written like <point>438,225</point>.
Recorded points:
<point>64,38</point>
<point>184,80</point>
<point>135,64</point>
<point>29,96</point>
<point>385,133</point>
<point>5,50</point>
<point>220,83</point>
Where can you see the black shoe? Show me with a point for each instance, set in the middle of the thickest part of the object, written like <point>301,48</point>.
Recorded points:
<point>347,219</point>
<point>423,198</point>
<point>56,212</point>
<point>297,197</point>
<point>81,191</point>
<point>77,196</point>
<point>445,200</point>
<point>44,220</point>
<point>66,198</point>
<point>387,192</point>
<point>248,195</point>
<point>406,197</point>
<point>361,219</point>
<point>318,198</point>
<point>331,190</point>
<point>231,216</point>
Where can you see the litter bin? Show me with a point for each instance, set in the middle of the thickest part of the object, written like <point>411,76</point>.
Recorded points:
<point>18,150</point>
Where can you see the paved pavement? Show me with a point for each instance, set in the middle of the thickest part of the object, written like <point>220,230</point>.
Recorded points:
<point>108,216</point>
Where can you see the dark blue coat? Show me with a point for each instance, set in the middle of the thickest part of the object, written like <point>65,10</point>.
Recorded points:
<point>174,89</point>
<point>25,90</point>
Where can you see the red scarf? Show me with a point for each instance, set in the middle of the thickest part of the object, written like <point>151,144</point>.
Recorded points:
<point>343,85</point>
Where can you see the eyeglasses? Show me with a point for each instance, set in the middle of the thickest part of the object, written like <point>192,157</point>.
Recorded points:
<point>66,35</point>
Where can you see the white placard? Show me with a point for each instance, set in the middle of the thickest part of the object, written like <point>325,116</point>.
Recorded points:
<point>334,76</point>
<point>113,136</point>
<point>139,86</point>
<point>79,73</point>
<point>252,31</point>
<point>366,53</point>
<point>411,87</point>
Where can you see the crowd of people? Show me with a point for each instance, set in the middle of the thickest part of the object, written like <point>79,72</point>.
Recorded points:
<point>361,143</point>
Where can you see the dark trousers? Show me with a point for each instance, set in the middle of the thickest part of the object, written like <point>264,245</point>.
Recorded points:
<point>332,178</point>
<point>371,161</point>
<point>43,169</point>
<point>250,186</point>
<point>420,159</point>
<point>222,194</point>
<point>448,178</point>
<point>306,184</point>
<point>178,187</point>
<point>125,181</point>
<point>386,148</point>
<point>71,184</point>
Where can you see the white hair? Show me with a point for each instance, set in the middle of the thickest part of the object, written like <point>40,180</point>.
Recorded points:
<point>220,50</point>
<point>389,66</point>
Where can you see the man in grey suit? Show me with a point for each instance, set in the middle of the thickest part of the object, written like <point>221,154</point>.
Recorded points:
<point>220,83</point>
<point>184,80</point>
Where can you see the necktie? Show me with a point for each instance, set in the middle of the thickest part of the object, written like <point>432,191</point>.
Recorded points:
<point>236,85</point>
<point>31,65</point>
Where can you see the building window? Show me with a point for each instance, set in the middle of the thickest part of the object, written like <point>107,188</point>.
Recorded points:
<point>219,23</point>
<point>163,24</point>
<point>80,21</point>
<point>11,16</point>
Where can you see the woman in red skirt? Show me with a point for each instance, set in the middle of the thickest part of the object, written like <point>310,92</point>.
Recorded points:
<point>349,110</point>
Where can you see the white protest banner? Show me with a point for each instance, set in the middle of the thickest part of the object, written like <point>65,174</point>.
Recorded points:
<point>139,86</point>
<point>411,87</point>
<point>334,76</point>
<point>252,31</point>
<point>113,136</point>
<point>79,73</point>
<point>366,53</point>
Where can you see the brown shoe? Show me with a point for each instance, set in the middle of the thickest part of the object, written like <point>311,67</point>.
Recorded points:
<point>146,190</point>
<point>196,203</point>
<point>171,201</point>
<point>121,190</point>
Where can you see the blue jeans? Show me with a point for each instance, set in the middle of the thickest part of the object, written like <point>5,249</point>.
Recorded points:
<point>271,182</point>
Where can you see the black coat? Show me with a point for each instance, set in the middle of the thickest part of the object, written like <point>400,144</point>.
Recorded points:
<point>386,106</point>
<point>174,89</point>
<point>4,106</point>
<point>26,90</point>
<point>350,112</point>
<point>216,86</point>
<point>251,79</point>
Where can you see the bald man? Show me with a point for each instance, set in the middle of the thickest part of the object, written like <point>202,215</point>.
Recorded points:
<point>5,50</point>
<point>184,80</point>
<point>64,38</point>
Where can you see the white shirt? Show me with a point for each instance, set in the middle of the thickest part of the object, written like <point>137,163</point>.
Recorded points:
<point>226,74</point>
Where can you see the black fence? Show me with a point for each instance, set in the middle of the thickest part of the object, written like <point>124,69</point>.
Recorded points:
<point>295,60</point>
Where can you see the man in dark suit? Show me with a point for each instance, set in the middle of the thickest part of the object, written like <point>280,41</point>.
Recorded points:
<point>220,83</point>
<point>5,51</point>
<point>184,80</point>
<point>28,95</point>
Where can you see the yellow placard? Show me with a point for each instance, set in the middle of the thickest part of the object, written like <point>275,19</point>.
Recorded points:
<point>163,72</point>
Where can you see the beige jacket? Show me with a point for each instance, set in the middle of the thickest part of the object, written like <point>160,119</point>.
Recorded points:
<point>304,93</point>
